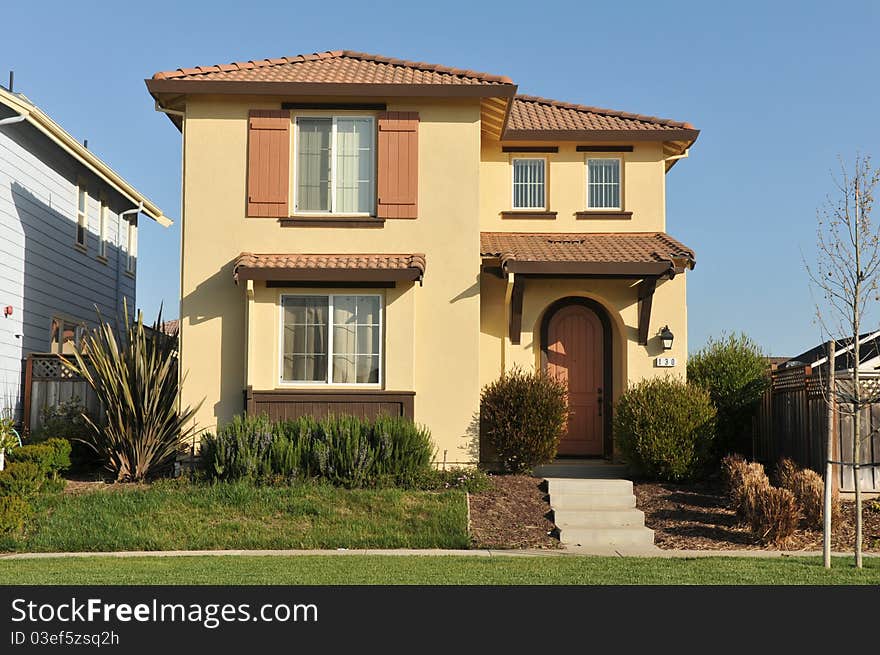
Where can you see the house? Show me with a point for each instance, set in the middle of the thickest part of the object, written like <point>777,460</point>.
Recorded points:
<point>68,237</point>
<point>817,356</point>
<point>365,234</point>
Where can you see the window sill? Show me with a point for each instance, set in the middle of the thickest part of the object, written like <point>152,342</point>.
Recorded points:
<point>80,247</point>
<point>102,259</point>
<point>323,220</point>
<point>528,213</point>
<point>599,215</point>
<point>129,274</point>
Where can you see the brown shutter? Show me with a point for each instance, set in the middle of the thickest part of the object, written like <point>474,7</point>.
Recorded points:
<point>398,164</point>
<point>268,168</point>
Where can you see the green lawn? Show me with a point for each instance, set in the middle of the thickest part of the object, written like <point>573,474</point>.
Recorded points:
<point>441,570</point>
<point>179,516</point>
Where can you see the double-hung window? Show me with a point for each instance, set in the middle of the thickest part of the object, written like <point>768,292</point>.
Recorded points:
<point>82,217</point>
<point>335,165</point>
<point>131,244</point>
<point>603,184</point>
<point>332,339</point>
<point>102,231</point>
<point>529,183</point>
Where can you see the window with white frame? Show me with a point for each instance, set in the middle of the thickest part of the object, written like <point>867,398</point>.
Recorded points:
<point>335,165</point>
<point>102,232</point>
<point>603,183</point>
<point>331,339</point>
<point>529,188</point>
<point>131,245</point>
<point>82,216</point>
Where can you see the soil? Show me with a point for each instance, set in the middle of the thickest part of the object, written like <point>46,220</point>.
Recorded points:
<point>512,514</point>
<point>697,516</point>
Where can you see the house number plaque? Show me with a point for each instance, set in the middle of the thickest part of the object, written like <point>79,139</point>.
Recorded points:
<point>664,362</point>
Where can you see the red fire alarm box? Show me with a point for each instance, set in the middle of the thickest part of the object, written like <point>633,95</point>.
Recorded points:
<point>7,311</point>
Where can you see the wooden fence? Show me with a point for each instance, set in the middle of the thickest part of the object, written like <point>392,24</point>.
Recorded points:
<point>792,421</point>
<point>47,383</point>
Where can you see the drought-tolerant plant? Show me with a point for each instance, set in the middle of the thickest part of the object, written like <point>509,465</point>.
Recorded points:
<point>665,428</point>
<point>776,517</point>
<point>523,415</point>
<point>734,372</point>
<point>342,450</point>
<point>809,492</point>
<point>134,376</point>
<point>786,470</point>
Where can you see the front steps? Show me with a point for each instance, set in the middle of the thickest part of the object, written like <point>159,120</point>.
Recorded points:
<point>599,515</point>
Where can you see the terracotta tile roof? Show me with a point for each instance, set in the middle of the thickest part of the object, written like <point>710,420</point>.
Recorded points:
<point>171,328</point>
<point>530,113</point>
<point>300,266</point>
<point>334,67</point>
<point>656,250</point>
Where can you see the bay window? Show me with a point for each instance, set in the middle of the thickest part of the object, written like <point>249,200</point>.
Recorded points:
<point>331,339</point>
<point>335,165</point>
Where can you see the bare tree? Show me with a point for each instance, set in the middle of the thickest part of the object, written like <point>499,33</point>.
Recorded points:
<point>847,273</point>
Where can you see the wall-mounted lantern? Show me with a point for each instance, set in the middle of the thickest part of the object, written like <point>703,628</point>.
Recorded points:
<point>666,337</point>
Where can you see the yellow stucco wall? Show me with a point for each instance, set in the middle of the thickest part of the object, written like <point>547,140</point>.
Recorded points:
<point>432,331</point>
<point>643,183</point>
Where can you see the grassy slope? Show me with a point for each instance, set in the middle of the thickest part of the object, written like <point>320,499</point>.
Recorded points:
<point>441,570</point>
<point>166,517</point>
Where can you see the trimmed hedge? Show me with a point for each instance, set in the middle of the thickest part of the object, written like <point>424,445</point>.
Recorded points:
<point>14,511</point>
<point>21,479</point>
<point>523,415</point>
<point>51,456</point>
<point>665,428</point>
<point>344,450</point>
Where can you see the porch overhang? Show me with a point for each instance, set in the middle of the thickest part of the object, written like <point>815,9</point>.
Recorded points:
<point>381,269</point>
<point>647,257</point>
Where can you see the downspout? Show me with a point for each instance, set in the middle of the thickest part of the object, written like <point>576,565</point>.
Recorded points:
<point>120,218</point>
<point>683,155</point>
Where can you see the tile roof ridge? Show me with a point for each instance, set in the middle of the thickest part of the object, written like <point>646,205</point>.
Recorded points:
<point>605,112</point>
<point>330,54</point>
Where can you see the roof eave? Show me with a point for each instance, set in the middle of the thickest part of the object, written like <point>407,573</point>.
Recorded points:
<point>52,130</point>
<point>665,134</point>
<point>238,87</point>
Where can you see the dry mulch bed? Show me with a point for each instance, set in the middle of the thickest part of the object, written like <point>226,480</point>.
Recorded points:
<point>697,516</point>
<point>512,514</point>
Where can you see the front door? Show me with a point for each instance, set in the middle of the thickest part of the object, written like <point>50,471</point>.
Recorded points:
<point>575,355</point>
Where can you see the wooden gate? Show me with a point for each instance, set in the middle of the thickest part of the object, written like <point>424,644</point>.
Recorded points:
<point>47,382</point>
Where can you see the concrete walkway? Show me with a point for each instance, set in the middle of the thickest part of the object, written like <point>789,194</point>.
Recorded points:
<point>433,552</point>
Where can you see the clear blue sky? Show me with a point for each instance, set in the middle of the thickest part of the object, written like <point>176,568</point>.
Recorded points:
<point>778,89</point>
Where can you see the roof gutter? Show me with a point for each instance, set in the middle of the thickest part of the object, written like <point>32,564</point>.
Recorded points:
<point>14,119</point>
<point>74,148</point>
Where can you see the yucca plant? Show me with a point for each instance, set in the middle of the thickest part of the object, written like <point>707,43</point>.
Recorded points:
<point>134,376</point>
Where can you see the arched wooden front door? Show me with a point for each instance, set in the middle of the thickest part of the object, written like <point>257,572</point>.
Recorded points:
<point>574,349</point>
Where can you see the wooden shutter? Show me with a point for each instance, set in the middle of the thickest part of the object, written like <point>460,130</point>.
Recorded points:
<point>268,167</point>
<point>398,156</point>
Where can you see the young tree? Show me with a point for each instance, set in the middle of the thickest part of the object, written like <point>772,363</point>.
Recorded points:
<point>847,273</point>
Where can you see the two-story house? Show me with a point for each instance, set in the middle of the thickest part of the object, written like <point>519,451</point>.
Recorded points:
<point>366,234</point>
<point>68,240</point>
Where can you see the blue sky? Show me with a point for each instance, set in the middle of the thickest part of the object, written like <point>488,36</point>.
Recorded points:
<point>779,90</point>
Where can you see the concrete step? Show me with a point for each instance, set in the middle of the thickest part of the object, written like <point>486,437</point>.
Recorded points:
<point>608,537</point>
<point>586,502</point>
<point>602,518</point>
<point>570,486</point>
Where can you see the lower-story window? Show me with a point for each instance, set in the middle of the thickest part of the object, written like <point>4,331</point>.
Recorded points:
<point>331,339</point>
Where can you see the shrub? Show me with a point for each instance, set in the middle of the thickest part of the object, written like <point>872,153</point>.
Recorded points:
<point>776,517</point>
<point>786,470</point>
<point>809,492</point>
<point>343,450</point>
<point>733,470</point>
<point>665,428</point>
<point>735,373</point>
<point>14,511</point>
<point>523,415</point>
<point>134,376</point>
<point>21,479</point>
<point>51,456</point>
<point>472,480</point>
<point>67,420</point>
<point>745,497</point>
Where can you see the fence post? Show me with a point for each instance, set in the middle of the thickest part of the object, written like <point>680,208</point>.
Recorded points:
<point>829,455</point>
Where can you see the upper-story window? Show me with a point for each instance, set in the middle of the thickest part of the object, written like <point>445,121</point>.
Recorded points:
<point>603,183</point>
<point>529,183</point>
<point>82,216</point>
<point>102,232</point>
<point>131,245</point>
<point>335,165</point>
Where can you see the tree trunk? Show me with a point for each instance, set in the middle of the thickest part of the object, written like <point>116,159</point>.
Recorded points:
<point>829,448</point>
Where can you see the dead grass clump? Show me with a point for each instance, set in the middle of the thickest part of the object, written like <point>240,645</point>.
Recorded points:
<point>776,517</point>
<point>809,492</point>
<point>786,469</point>
<point>733,468</point>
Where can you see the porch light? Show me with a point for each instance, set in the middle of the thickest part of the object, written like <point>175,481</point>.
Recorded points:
<point>666,337</point>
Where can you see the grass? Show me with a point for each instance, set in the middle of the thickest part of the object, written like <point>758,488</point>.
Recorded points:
<point>182,516</point>
<point>437,570</point>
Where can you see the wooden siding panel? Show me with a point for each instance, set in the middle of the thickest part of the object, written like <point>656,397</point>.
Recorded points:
<point>268,163</point>
<point>398,153</point>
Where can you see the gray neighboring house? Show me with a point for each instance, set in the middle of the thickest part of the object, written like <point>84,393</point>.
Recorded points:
<point>68,239</point>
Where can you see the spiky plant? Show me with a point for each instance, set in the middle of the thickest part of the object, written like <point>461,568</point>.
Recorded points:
<point>134,376</point>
